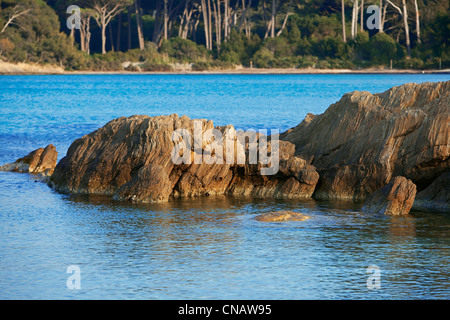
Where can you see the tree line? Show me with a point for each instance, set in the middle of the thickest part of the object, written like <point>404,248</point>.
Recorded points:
<point>261,33</point>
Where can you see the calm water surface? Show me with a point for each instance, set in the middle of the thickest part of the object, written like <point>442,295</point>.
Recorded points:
<point>201,248</point>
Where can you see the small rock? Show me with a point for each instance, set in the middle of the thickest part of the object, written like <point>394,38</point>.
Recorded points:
<point>281,216</point>
<point>40,161</point>
<point>395,198</point>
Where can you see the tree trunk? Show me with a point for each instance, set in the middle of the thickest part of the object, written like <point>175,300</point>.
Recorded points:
<point>129,27</point>
<point>119,32</point>
<point>383,16</point>
<point>225,22</point>
<point>111,37</point>
<point>205,22</point>
<point>103,27</point>
<point>210,24</point>
<point>183,17</point>
<point>217,21</point>
<point>72,36</point>
<point>417,21</point>
<point>82,36</point>
<point>16,13</point>
<point>242,20</point>
<point>405,21</point>
<point>247,21</point>
<point>166,19</point>
<point>85,33</point>
<point>288,13</point>
<point>194,31</point>
<point>354,29</point>
<point>380,30</point>
<point>103,17</point>
<point>243,24</point>
<point>158,25</point>
<point>344,36</point>
<point>273,18</point>
<point>362,15</point>
<point>356,17</point>
<point>87,45</point>
<point>137,7</point>
<point>187,25</point>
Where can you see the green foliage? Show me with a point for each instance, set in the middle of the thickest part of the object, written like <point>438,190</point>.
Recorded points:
<point>413,63</point>
<point>263,58</point>
<point>184,50</point>
<point>148,60</point>
<point>436,35</point>
<point>362,46</point>
<point>212,65</point>
<point>382,48</point>
<point>105,62</point>
<point>155,67</point>
<point>307,61</point>
<point>318,27</point>
<point>239,49</point>
<point>36,39</point>
<point>312,38</point>
<point>332,47</point>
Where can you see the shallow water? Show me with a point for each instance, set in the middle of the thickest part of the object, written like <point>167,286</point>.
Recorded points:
<point>209,248</point>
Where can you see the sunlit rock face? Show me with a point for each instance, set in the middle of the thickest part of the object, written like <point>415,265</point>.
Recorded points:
<point>133,159</point>
<point>396,198</point>
<point>361,142</point>
<point>41,162</point>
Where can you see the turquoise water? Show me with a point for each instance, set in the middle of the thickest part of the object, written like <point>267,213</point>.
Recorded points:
<point>200,248</point>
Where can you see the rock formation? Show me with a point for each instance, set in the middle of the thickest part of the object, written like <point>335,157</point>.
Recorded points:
<point>361,142</point>
<point>133,159</point>
<point>395,198</point>
<point>351,151</point>
<point>40,161</point>
<point>282,216</point>
<point>436,196</point>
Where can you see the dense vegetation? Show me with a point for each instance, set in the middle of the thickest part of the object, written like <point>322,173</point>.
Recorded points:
<point>160,35</point>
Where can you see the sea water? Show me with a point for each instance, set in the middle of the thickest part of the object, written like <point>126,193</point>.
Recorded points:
<point>209,248</point>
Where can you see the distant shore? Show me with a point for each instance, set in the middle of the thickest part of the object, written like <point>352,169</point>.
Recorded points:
<point>35,69</point>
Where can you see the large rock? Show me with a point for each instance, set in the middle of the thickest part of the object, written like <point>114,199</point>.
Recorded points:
<point>361,142</point>
<point>41,161</point>
<point>436,197</point>
<point>132,159</point>
<point>395,198</point>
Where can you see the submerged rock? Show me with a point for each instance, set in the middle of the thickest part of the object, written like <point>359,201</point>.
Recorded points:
<point>41,161</point>
<point>281,216</point>
<point>133,159</point>
<point>395,198</point>
<point>361,142</point>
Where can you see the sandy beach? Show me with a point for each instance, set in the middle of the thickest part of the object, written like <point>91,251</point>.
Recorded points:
<point>7,68</point>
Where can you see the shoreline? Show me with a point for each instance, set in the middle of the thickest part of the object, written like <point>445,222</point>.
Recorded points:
<point>34,69</point>
<point>251,71</point>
